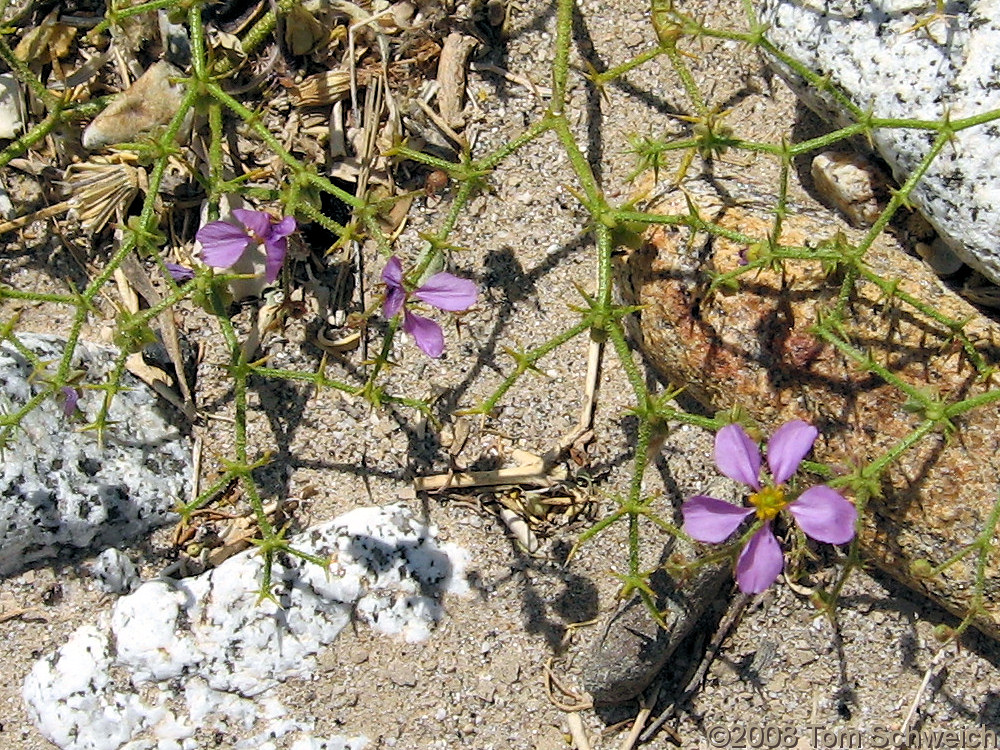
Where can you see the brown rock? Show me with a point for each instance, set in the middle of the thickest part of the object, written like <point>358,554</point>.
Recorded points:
<point>756,347</point>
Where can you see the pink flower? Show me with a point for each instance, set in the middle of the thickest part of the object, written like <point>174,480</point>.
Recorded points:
<point>223,243</point>
<point>442,290</point>
<point>821,512</point>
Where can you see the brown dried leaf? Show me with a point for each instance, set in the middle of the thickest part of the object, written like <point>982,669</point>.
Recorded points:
<point>228,42</point>
<point>451,77</point>
<point>140,281</point>
<point>303,33</point>
<point>46,42</point>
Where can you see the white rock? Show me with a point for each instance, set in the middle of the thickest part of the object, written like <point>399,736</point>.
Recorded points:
<point>874,51</point>
<point>6,205</point>
<point>59,488</point>
<point>11,107</point>
<point>202,652</point>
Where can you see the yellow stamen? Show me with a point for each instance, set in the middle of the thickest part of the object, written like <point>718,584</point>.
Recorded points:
<point>768,502</point>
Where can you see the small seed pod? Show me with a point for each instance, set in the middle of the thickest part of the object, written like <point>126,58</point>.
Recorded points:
<point>436,182</point>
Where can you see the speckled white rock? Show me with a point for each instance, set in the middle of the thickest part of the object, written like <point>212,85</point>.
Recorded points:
<point>114,572</point>
<point>177,656</point>
<point>871,50</point>
<point>59,489</point>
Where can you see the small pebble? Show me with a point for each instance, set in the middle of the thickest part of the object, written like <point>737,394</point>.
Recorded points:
<point>851,183</point>
<point>401,674</point>
<point>114,572</point>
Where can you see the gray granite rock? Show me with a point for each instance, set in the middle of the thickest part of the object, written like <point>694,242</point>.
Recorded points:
<point>176,657</point>
<point>897,59</point>
<point>59,489</point>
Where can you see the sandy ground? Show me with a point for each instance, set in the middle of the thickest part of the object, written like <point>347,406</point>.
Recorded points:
<point>479,681</point>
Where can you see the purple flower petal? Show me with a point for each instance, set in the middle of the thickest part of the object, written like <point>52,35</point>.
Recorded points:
<point>72,397</point>
<point>737,456</point>
<point>283,228</point>
<point>257,222</point>
<point>392,274</point>
<point>274,256</point>
<point>222,243</point>
<point>711,520</point>
<point>448,292</point>
<point>825,515</point>
<point>788,446</point>
<point>393,303</point>
<point>178,272</point>
<point>427,333</point>
<point>276,246</point>
<point>760,563</point>
<point>395,295</point>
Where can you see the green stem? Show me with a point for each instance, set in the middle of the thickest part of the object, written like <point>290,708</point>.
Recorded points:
<point>619,70</point>
<point>560,66</point>
<point>199,66</point>
<point>24,74</point>
<point>114,15</point>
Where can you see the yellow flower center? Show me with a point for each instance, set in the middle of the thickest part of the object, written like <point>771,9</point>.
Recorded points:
<point>768,502</point>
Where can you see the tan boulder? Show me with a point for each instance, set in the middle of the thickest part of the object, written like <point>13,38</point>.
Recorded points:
<point>757,347</point>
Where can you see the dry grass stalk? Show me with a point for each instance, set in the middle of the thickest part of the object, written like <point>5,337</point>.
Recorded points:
<point>531,471</point>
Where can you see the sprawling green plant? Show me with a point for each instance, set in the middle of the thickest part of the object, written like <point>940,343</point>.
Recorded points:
<point>705,136</point>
